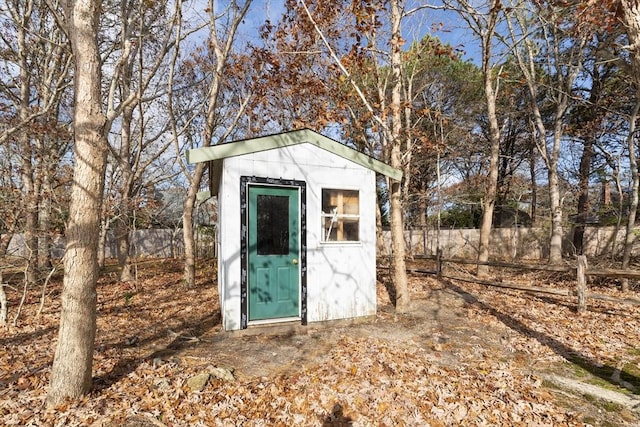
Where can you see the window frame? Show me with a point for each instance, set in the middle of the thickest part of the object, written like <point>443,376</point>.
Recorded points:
<point>339,216</point>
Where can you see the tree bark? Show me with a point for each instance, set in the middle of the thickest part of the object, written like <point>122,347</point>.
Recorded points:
<point>587,118</point>
<point>382,249</point>
<point>489,203</point>
<point>630,236</point>
<point>631,19</point>
<point>400,280</point>
<point>44,220</point>
<point>555,241</point>
<point>27,152</point>
<point>533,184</point>
<point>187,227</point>
<point>72,365</point>
<point>584,173</point>
<point>221,51</point>
<point>123,222</point>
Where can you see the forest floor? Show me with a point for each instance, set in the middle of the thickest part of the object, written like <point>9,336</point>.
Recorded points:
<point>464,355</point>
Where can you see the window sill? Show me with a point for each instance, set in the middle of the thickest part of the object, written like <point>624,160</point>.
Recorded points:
<point>345,243</point>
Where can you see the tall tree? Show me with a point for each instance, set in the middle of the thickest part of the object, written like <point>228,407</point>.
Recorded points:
<point>73,361</point>
<point>483,20</point>
<point>35,60</point>
<point>588,120</point>
<point>93,116</point>
<point>388,111</point>
<point>147,32</point>
<point>631,19</point>
<point>220,42</point>
<point>548,48</point>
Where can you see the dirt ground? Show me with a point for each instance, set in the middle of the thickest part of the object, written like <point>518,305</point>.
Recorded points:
<point>465,354</point>
<point>444,321</point>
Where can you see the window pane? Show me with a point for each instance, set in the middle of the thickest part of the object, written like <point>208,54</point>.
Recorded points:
<point>273,225</point>
<point>350,230</point>
<point>351,206</point>
<point>340,210</point>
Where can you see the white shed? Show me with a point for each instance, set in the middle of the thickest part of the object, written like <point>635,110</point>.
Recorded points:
<point>297,228</point>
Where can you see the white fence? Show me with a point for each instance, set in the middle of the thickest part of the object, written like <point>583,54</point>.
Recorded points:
<point>505,243</point>
<point>159,243</point>
<point>511,243</point>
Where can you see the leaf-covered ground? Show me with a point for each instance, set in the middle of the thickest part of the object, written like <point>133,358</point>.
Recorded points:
<point>465,355</point>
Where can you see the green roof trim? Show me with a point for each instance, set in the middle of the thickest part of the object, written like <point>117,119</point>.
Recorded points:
<point>203,195</point>
<point>248,146</point>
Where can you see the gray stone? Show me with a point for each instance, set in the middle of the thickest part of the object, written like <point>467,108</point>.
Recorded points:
<point>197,383</point>
<point>221,374</point>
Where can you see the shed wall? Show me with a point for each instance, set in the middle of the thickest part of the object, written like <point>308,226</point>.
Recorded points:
<point>341,277</point>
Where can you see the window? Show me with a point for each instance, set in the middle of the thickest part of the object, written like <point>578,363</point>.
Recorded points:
<point>340,215</point>
<point>273,225</point>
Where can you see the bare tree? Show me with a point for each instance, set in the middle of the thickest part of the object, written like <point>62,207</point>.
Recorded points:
<point>73,361</point>
<point>391,124</point>
<point>560,60</point>
<point>222,31</point>
<point>631,20</point>
<point>483,20</point>
<point>93,117</point>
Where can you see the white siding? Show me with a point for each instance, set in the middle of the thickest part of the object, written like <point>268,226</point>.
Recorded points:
<point>340,276</point>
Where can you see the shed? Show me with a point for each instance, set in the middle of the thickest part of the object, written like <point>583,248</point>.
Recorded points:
<point>297,228</point>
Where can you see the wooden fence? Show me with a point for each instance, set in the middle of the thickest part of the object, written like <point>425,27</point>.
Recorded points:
<point>580,270</point>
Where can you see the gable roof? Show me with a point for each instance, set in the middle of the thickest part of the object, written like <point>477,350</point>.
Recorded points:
<point>254,145</point>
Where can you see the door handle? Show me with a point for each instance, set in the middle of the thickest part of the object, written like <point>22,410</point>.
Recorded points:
<point>295,261</point>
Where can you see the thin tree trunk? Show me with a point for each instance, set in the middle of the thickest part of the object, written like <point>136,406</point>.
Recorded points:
<point>102,239</point>
<point>382,250</point>
<point>494,156</point>
<point>631,18</point>
<point>187,227</point>
<point>221,50</point>
<point>533,184</point>
<point>72,365</point>
<point>555,242</point>
<point>630,236</point>
<point>44,220</point>
<point>123,225</point>
<point>400,280</point>
<point>584,172</point>
<point>489,203</point>
<point>28,165</point>
<point>589,118</point>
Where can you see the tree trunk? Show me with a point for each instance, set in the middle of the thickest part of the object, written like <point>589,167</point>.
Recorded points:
<point>533,184</point>
<point>400,280</point>
<point>555,241</point>
<point>72,365</point>
<point>494,140</point>
<point>121,233</point>
<point>27,152</point>
<point>31,216</point>
<point>187,227</point>
<point>102,239</point>
<point>126,173</point>
<point>584,172</point>
<point>382,250</point>
<point>44,220</point>
<point>221,51</point>
<point>589,118</point>
<point>631,19</point>
<point>630,236</point>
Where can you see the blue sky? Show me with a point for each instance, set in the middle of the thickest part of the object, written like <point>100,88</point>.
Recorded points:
<point>445,25</point>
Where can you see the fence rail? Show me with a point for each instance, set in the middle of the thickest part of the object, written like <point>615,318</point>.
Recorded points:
<point>581,271</point>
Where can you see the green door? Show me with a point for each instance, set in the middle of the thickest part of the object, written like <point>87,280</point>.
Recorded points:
<point>273,253</point>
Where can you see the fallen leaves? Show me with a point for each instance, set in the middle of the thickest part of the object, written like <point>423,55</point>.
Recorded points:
<point>471,366</point>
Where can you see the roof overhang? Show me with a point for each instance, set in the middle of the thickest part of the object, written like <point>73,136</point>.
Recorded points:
<point>247,146</point>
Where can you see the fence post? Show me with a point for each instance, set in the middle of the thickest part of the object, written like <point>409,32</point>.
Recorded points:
<point>439,262</point>
<point>581,289</point>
